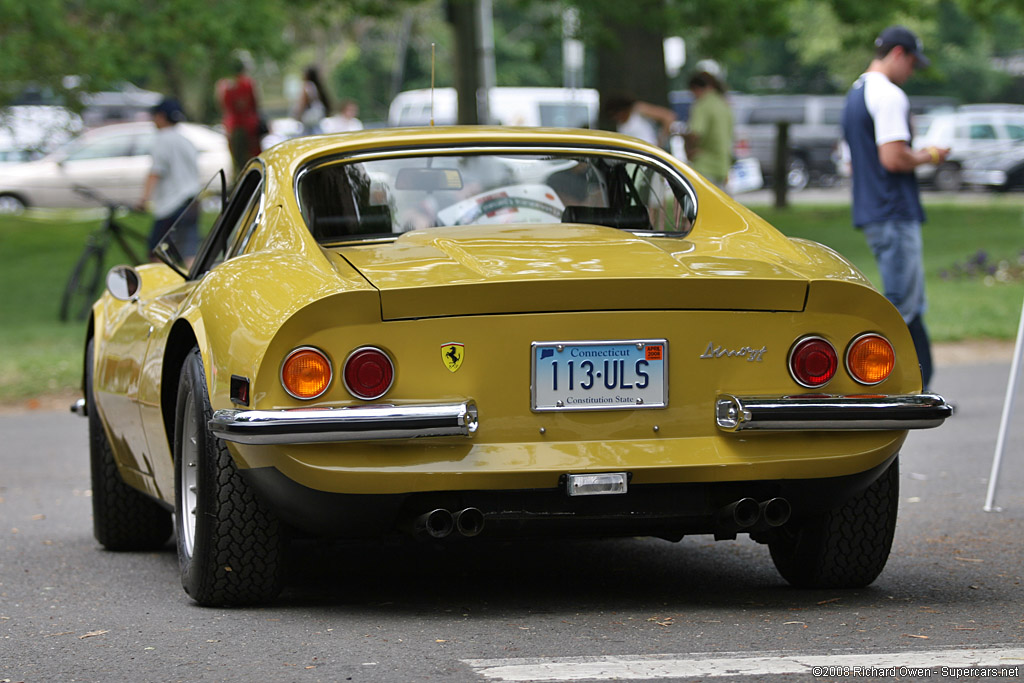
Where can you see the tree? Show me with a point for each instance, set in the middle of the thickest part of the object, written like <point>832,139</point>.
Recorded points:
<point>36,45</point>
<point>628,37</point>
<point>176,46</point>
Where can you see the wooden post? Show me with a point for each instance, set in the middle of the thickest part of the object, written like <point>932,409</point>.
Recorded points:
<point>780,178</point>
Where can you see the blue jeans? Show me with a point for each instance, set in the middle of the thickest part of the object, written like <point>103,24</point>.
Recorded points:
<point>897,247</point>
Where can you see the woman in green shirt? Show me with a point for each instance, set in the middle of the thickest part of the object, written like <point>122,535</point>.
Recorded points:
<point>709,134</point>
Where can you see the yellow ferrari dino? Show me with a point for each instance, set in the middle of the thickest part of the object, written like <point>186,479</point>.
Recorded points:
<point>493,332</point>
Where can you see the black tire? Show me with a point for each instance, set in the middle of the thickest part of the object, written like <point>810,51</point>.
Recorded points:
<point>12,205</point>
<point>948,178</point>
<point>230,547</point>
<point>798,176</point>
<point>123,518</point>
<point>846,547</point>
<point>83,286</point>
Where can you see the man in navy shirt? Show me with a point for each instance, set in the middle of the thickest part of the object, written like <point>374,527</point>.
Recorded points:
<point>886,201</point>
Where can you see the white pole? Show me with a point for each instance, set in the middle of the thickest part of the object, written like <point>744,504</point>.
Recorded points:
<point>1011,390</point>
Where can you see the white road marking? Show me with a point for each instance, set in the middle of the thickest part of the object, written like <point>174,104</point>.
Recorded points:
<point>1009,660</point>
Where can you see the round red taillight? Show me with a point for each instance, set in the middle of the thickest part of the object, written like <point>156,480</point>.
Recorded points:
<point>813,362</point>
<point>870,359</point>
<point>369,373</point>
<point>306,373</point>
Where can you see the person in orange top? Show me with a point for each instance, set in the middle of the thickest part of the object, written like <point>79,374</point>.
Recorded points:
<point>237,98</point>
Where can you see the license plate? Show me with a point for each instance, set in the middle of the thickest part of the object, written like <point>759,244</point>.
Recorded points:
<point>599,375</point>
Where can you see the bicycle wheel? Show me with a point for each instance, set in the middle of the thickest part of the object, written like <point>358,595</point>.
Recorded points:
<point>83,286</point>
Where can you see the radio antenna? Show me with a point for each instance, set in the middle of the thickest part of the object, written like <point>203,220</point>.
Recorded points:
<point>432,85</point>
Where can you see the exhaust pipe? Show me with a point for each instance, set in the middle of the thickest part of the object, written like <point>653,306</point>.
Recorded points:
<point>775,511</point>
<point>740,514</point>
<point>469,522</point>
<point>436,523</point>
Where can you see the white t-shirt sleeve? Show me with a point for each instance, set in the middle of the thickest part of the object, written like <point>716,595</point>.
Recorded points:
<point>890,109</point>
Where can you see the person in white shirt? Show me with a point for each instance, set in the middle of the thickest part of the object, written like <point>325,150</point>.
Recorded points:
<point>649,122</point>
<point>173,180</point>
<point>344,121</point>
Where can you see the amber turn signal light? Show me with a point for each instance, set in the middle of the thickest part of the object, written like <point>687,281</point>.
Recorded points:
<point>306,373</point>
<point>870,359</point>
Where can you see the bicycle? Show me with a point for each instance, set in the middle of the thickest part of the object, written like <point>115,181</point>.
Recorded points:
<point>85,282</point>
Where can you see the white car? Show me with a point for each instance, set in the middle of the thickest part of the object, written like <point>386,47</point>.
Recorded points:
<point>113,160</point>
<point>560,107</point>
<point>971,132</point>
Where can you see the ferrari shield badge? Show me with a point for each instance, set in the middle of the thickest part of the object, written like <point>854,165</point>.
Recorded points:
<point>452,354</point>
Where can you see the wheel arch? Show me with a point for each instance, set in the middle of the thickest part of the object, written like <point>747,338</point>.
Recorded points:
<point>90,334</point>
<point>180,342</point>
<point>17,195</point>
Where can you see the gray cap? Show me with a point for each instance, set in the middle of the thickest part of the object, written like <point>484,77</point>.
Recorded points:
<point>905,38</point>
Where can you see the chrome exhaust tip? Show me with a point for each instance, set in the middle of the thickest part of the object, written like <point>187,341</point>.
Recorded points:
<point>469,522</point>
<point>740,514</point>
<point>775,512</point>
<point>436,523</point>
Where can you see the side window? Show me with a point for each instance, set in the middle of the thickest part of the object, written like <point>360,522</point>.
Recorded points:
<point>142,144</point>
<point>1015,131</point>
<point>104,148</point>
<point>237,215</point>
<point>982,131</point>
<point>242,232</point>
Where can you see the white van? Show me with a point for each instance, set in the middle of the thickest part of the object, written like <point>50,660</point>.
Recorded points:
<point>560,107</point>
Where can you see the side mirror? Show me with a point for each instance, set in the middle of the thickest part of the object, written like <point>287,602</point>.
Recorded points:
<point>124,283</point>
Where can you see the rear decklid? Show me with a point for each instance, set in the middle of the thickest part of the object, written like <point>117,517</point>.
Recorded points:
<point>476,270</point>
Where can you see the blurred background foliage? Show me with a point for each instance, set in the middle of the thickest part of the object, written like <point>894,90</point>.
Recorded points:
<point>371,49</point>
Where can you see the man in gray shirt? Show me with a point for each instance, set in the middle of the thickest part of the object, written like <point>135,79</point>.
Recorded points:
<point>173,180</point>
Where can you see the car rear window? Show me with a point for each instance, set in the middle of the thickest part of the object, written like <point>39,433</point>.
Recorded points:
<point>374,197</point>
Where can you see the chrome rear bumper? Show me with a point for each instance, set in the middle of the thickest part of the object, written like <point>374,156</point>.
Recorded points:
<point>912,411</point>
<point>359,423</point>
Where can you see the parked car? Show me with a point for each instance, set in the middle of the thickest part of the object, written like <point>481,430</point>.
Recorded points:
<point>113,160</point>
<point>1001,172</point>
<point>560,107</point>
<point>479,332</point>
<point>972,132</point>
<point>814,130</point>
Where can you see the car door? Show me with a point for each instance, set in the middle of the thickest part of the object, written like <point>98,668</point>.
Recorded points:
<point>121,347</point>
<point>227,238</point>
<point>977,136</point>
<point>114,165</point>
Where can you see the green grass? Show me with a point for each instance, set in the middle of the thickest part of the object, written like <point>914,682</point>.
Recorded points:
<point>41,355</point>
<point>975,306</point>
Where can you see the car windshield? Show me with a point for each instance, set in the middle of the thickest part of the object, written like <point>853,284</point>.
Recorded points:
<point>350,199</point>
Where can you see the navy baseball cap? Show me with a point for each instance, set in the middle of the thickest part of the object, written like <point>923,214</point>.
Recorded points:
<point>171,108</point>
<point>905,38</point>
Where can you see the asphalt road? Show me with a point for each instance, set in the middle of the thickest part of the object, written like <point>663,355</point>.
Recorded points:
<point>70,611</point>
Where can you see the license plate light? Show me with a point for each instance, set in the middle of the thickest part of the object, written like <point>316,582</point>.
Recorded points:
<point>605,484</point>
